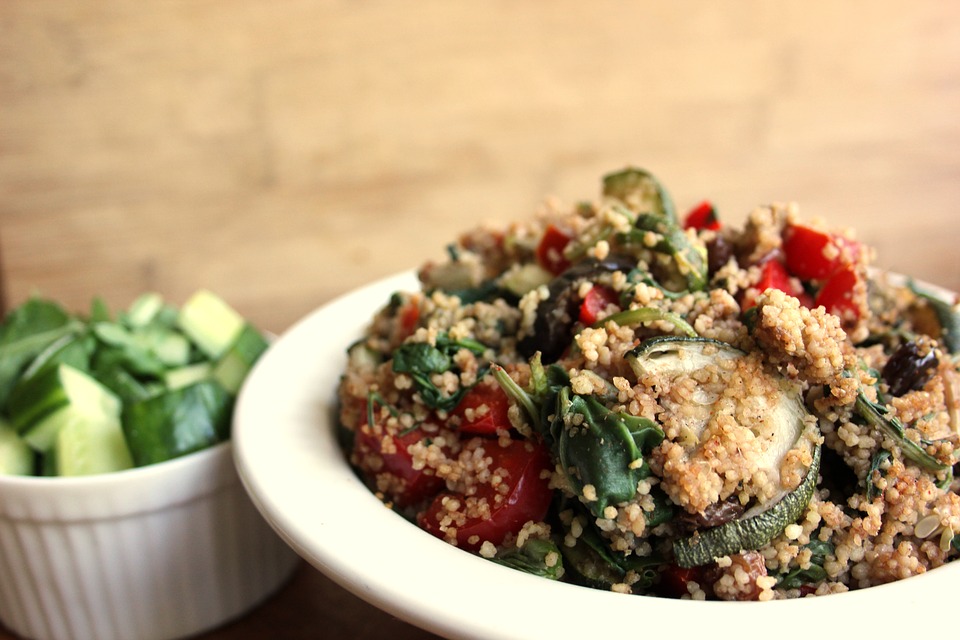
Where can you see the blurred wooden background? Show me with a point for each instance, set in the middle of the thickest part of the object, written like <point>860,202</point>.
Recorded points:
<point>282,153</point>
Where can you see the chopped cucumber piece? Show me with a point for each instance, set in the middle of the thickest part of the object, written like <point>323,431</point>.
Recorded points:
<point>210,322</point>
<point>16,456</point>
<point>50,400</point>
<point>187,375</point>
<point>85,445</point>
<point>233,367</point>
<point>177,422</point>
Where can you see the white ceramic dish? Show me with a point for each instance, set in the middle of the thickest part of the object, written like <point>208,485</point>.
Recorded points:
<point>153,553</point>
<point>288,458</point>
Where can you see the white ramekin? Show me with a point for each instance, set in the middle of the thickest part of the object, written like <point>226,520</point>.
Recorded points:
<point>153,553</point>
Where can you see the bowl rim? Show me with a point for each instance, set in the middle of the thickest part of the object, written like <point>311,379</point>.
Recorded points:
<point>156,468</point>
<point>117,494</point>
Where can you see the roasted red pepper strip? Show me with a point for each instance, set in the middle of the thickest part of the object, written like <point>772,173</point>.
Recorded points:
<point>837,294</point>
<point>596,300</point>
<point>674,580</point>
<point>774,275</point>
<point>811,254</point>
<point>522,465</point>
<point>483,411</point>
<point>550,250</point>
<point>409,317</point>
<point>408,485</point>
<point>703,216</point>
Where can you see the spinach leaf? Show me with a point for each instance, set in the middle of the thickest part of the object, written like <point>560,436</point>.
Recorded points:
<point>875,464</point>
<point>689,258</point>
<point>25,333</point>
<point>591,562</point>
<point>595,445</point>
<point>663,509</point>
<point>599,447</point>
<point>538,557</point>
<point>421,360</point>
<point>876,415</point>
<point>815,573</point>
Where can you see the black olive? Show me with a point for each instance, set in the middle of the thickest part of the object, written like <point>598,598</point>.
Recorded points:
<point>910,367</point>
<point>719,252</point>
<point>557,315</point>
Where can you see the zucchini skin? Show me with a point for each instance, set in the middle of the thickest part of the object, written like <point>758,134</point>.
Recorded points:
<point>750,533</point>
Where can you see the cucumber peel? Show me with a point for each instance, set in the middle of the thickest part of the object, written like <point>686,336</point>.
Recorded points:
<point>235,363</point>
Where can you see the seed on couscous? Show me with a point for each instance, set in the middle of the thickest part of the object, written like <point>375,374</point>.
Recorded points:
<point>617,396</point>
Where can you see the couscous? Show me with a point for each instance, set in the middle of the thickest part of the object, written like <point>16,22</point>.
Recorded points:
<point>624,397</point>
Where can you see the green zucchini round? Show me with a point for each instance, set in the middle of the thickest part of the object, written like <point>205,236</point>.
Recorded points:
<point>750,533</point>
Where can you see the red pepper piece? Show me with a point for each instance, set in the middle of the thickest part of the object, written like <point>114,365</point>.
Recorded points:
<point>674,580</point>
<point>486,422</point>
<point>774,275</point>
<point>526,496</point>
<point>409,485</point>
<point>550,250</point>
<point>409,317</point>
<point>811,254</point>
<point>837,294</point>
<point>596,300</point>
<point>702,216</point>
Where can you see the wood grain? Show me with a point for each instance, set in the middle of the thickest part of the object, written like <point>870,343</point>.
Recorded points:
<point>284,153</point>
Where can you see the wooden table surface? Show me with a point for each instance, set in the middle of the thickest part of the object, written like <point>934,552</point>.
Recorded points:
<point>283,153</point>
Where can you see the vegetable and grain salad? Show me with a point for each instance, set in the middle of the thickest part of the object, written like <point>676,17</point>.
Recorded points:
<point>618,396</point>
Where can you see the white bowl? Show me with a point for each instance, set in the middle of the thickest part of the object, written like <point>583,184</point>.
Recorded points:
<point>153,553</point>
<point>290,462</point>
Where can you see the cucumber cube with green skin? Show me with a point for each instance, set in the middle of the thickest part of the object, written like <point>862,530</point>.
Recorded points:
<point>187,375</point>
<point>55,397</point>
<point>233,367</point>
<point>86,446</point>
<point>210,323</point>
<point>16,456</point>
<point>177,422</point>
